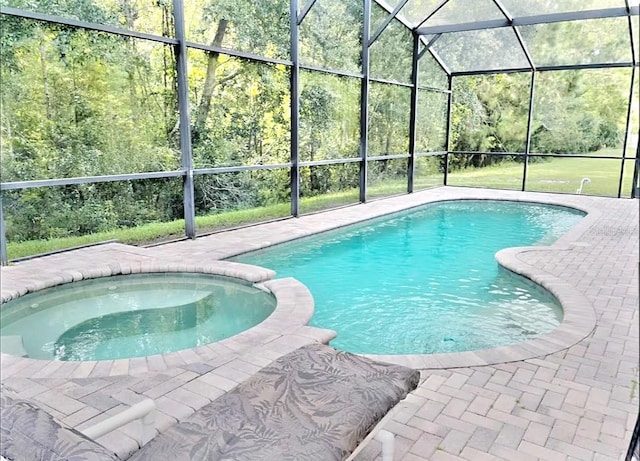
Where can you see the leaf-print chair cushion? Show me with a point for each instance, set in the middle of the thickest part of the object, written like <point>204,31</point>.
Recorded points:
<point>28,433</point>
<point>314,403</point>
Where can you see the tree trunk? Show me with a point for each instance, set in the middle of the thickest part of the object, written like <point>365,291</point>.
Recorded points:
<point>8,131</point>
<point>130,15</point>
<point>169,77</point>
<point>210,80</point>
<point>387,149</point>
<point>313,174</point>
<point>45,80</point>
<point>76,115</point>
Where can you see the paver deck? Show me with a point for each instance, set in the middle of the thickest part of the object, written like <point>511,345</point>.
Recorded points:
<point>573,396</point>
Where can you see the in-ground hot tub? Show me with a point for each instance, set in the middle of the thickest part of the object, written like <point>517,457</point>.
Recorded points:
<point>131,315</point>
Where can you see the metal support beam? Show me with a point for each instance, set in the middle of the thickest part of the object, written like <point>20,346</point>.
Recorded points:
<point>236,53</point>
<point>4,260</point>
<point>387,21</point>
<point>516,31</point>
<point>364,102</point>
<point>464,27</point>
<point>305,11</point>
<point>432,12</point>
<point>85,25</point>
<point>413,116</point>
<point>428,47</point>
<point>529,20</point>
<point>635,183</point>
<point>295,108</point>
<point>341,73</point>
<point>239,168</point>
<point>631,37</point>
<point>431,42</point>
<point>447,140</point>
<point>527,145</point>
<point>186,158</point>
<point>14,185</point>
<point>626,131</point>
<point>508,16</point>
<point>524,47</point>
<point>440,62</point>
<point>605,65</point>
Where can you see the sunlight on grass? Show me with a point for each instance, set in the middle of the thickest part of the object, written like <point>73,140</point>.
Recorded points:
<point>544,175</point>
<point>548,175</point>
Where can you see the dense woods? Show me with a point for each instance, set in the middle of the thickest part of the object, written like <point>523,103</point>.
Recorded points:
<point>78,103</point>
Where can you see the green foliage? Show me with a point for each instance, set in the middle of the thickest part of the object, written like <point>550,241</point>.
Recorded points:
<point>574,112</point>
<point>391,54</point>
<point>389,110</point>
<point>43,213</point>
<point>85,10</point>
<point>249,122</point>
<point>255,27</point>
<point>163,231</point>
<point>431,123</point>
<point>579,111</point>
<point>387,177</point>
<point>78,103</point>
<point>555,175</point>
<point>329,116</point>
<point>430,74</point>
<point>551,175</point>
<point>331,35</point>
<point>490,113</point>
<point>323,179</point>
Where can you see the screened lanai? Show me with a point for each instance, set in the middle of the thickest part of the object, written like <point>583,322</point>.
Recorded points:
<point>148,120</point>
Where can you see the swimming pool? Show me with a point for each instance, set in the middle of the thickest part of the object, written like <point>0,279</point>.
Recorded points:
<point>130,316</point>
<point>426,281</point>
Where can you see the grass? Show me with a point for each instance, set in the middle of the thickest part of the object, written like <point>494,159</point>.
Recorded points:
<point>553,175</point>
<point>165,231</point>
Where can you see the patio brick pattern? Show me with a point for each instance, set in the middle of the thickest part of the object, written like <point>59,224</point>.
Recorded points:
<point>573,396</point>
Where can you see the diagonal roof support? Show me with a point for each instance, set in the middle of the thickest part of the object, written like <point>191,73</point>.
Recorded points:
<point>516,31</point>
<point>387,21</point>
<point>440,62</point>
<point>429,45</point>
<point>523,45</point>
<point>85,25</point>
<point>305,11</point>
<point>428,49</point>
<point>463,27</point>
<point>406,23</point>
<point>631,37</point>
<point>433,11</point>
<point>531,20</point>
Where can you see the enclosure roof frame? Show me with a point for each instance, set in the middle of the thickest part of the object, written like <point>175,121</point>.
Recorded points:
<point>509,21</point>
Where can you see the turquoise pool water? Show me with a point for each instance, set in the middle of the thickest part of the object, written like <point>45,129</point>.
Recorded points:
<point>426,281</point>
<point>130,316</point>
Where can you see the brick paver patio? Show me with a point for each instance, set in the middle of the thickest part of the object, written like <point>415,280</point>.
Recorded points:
<point>572,396</point>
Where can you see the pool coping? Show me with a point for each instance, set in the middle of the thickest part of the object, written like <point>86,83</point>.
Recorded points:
<point>579,315</point>
<point>295,302</point>
<point>294,308</point>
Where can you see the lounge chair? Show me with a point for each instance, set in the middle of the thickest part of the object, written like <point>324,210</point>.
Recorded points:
<point>27,432</point>
<point>314,403</point>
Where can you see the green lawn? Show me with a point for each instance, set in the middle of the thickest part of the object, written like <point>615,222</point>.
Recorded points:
<point>165,231</point>
<point>552,175</point>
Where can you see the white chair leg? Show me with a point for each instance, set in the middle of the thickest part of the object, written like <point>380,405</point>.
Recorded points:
<point>148,427</point>
<point>139,410</point>
<point>387,439</point>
